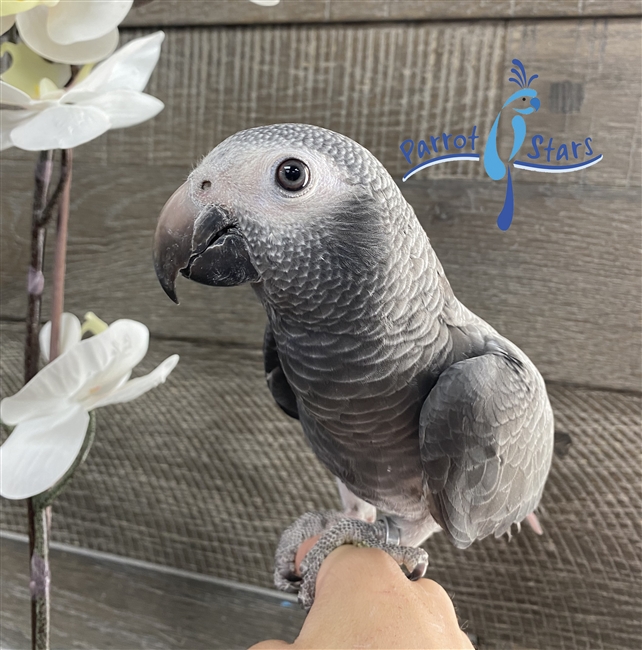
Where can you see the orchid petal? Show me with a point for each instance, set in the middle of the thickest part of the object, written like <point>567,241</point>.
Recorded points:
<point>6,23</point>
<point>60,127</point>
<point>33,30</point>
<point>71,21</point>
<point>39,452</point>
<point>11,95</point>
<point>137,387</point>
<point>102,360</point>
<point>70,335</point>
<point>128,69</point>
<point>129,341</point>
<point>47,90</point>
<point>89,397</point>
<point>8,121</point>
<point>126,107</point>
<point>28,69</point>
<point>17,6</point>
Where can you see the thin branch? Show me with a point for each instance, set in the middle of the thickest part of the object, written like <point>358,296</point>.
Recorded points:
<point>40,576</point>
<point>35,279</point>
<point>37,520</point>
<point>60,257</point>
<point>40,515</point>
<point>65,170</point>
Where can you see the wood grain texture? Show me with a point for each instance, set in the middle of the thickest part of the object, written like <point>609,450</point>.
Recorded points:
<point>562,283</point>
<point>382,84</point>
<point>203,473</point>
<point>597,65</point>
<point>233,12</point>
<point>103,603</point>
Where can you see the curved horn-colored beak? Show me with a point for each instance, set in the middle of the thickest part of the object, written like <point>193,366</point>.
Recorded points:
<point>202,243</point>
<point>173,238</point>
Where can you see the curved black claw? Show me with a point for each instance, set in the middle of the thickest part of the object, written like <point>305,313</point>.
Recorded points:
<point>336,529</point>
<point>419,571</point>
<point>308,525</point>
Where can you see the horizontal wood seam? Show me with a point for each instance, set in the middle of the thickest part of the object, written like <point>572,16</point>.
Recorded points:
<point>383,22</point>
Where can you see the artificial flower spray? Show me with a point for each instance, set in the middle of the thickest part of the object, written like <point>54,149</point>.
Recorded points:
<point>54,97</point>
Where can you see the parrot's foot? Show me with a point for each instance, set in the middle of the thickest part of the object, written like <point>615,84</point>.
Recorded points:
<point>309,525</point>
<point>335,529</point>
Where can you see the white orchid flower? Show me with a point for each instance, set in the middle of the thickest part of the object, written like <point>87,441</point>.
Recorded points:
<point>109,97</point>
<point>67,31</point>
<point>51,412</point>
<point>9,8</point>
<point>27,70</point>
<point>266,3</point>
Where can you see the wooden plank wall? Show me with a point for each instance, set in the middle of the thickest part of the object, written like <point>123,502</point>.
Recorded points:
<point>383,83</point>
<point>564,283</point>
<point>239,12</point>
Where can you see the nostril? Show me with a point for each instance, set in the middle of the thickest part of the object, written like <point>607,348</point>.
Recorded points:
<point>205,185</point>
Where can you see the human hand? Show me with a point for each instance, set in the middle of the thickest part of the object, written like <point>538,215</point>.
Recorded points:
<point>363,600</point>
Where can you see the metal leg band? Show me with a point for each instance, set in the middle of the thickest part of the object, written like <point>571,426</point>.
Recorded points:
<point>392,531</point>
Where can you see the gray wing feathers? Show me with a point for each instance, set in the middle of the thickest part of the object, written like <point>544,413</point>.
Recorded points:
<point>276,379</point>
<point>486,438</point>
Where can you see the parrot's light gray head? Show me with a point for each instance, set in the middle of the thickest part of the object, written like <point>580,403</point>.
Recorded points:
<point>278,206</point>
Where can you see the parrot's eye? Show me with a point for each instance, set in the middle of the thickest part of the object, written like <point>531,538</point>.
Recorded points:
<point>523,99</point>
<point>293,175</point>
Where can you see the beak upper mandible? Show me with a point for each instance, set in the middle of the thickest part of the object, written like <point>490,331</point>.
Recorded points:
<point>535,103</point>
<point>173,238</point>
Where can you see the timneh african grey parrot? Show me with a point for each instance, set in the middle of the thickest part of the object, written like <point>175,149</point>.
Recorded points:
<point>417,406</point>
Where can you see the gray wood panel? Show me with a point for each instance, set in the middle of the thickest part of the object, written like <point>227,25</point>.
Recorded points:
<point>590,85</point>
<point>203,473</point>
<point>102,603</point>
<point>231,12</point>
<point>377,84</point>
<point>382,84</point>
<point>563,282</point>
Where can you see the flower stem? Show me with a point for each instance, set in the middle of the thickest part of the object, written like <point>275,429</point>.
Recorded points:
<point>40,580</point>
<point>37,518</point>
<point>60,255</point>
<point>45,215</point>
<point>35,279</point>
<point>38,509</point>
<point>40,531</point>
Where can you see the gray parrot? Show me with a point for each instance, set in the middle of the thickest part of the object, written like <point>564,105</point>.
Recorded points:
<point>417,406</point>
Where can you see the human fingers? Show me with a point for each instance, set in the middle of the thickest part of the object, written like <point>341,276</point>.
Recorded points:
<point>364,599</point>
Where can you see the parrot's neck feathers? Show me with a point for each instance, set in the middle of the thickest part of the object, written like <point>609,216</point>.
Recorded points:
<point>379,276</point>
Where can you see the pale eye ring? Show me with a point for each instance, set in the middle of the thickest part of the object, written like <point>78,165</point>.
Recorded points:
<point>292,175</point>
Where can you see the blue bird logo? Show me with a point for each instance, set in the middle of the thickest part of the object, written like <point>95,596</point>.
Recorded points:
<point>495,167</point>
